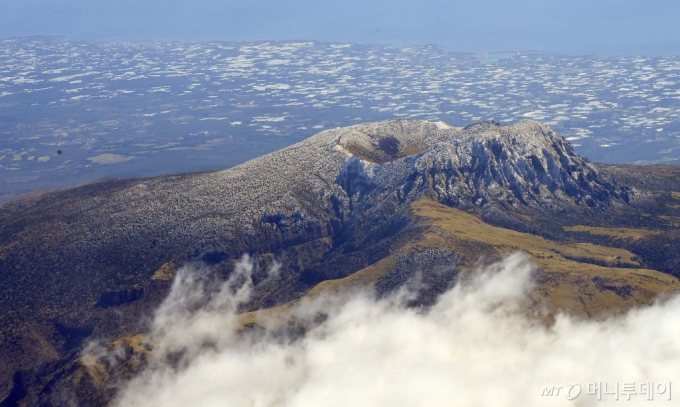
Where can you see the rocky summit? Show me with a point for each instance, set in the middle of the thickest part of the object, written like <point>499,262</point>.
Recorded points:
<point>363,205</point>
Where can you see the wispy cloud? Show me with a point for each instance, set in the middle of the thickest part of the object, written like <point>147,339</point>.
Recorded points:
<point>476,346</point>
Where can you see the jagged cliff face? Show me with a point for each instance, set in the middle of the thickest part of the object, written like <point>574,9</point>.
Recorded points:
<point>324,208</point>
<point>525,164</point>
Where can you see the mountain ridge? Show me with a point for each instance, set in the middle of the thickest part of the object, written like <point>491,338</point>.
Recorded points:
<point>86,262</point>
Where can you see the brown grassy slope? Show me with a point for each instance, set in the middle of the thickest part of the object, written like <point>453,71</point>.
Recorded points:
<point>568,279</point>
<point>578,287</point>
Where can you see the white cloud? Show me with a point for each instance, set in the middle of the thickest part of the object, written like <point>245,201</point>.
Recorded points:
<point>477,346</point>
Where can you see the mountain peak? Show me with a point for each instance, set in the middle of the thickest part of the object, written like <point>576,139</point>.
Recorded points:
<point>524,163</point>
<point>387,141</point>
<point>342,201</point>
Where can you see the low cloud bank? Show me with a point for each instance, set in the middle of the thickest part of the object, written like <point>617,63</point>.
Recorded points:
<point>475,347</point>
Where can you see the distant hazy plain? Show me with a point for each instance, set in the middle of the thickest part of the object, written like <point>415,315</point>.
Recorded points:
<point>601,27</point>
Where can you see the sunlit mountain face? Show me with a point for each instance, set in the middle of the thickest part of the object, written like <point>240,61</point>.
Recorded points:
<point>308,203</point>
